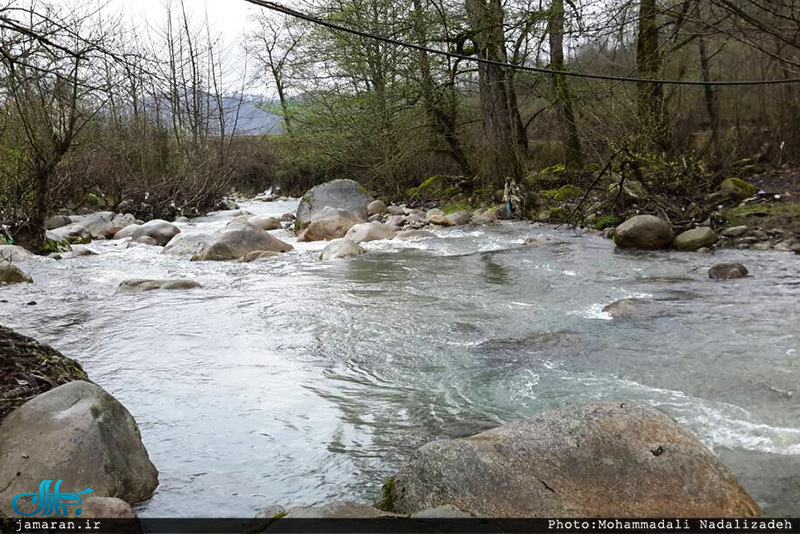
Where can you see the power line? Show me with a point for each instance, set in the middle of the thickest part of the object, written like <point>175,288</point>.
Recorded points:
<point>273,6</point>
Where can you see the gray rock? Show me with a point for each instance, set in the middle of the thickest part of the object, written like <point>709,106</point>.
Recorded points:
<point>188,243</point>
<point>14,254</point>
<point>54,243</point>
<point>339,194</point>
<point>77,252</point>
<point>446,511</point>
<point>370,231</point>
<point>341,248</point>
<point>330,223</point>
<point>434,212</point>
<point>99,223</point>
<point>11,274</point>
<point>591,460</point>
<point>734,231</point>
<point>627,308</point>
<point>460,218</point>
<point>484,217</point>
<point>160,230</point>
<point>262,222</point>
<point>337,510</point>
<point>77,433</point>
<point>145,240</point>
<point>396,221</point>
<point>237,241</point>
<point>139,285</point>
<point>57,221</point>
<point>645,232</point>
<point>259,255</point>
<point>696,238</point>
<point>376,207</point>
<point>410,235</point>
<point>727,271</point>
<point>106,508</point>
<point>396,210</point>
<point>72,233</point>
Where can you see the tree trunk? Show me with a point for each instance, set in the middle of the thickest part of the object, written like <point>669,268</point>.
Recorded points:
<point>648,61</point>
<point>566,116</point>
<point>442,123</point>
<point>486,23</point>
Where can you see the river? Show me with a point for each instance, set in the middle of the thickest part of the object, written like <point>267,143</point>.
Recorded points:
<point>295,382</point>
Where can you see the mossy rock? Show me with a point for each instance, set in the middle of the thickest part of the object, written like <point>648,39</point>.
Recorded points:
<point>386,503</point>
<point>29,368</point>
<point>606,221</point>
<point>456,205</point>
<point>567,191</point>
<point>737,189</point>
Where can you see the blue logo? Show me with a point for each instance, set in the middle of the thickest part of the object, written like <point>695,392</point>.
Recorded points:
<point>51,503</point>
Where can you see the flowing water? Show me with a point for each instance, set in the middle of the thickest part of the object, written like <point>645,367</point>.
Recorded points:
<point>297,382</point>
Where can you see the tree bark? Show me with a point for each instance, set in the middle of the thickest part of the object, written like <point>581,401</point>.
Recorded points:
<point>486,23</point>
<point>566,115</point>
<point>648,61</point>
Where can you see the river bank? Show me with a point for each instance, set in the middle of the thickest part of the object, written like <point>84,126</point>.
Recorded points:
<point>330,374</point>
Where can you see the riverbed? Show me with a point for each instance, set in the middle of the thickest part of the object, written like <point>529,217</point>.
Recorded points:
<point>296,382</point>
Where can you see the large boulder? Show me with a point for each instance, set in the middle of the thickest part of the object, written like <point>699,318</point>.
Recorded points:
<point>736,189</point>
<point>188,243</point>
<point>54,243</point>
<point>460,218</point>
<point>330,223</point>
<point>79,434</point>
<point>262,222</point>
<point>57,221</point>
<point>341,248</point>
<point>376,207</point>
<point>590,460</point>
<point>340,194</point>
<point>235,242</point>
<point>158,229</point>
<point>14,254</point>
<point>371,231</point>
<point>104,224</point>
<point>11,274</point>
<point>28,368</point>
<point>645,232</point>
<point>695,239</point>
<point>139,285</point>
<point>727,271</point>
<point>72,233</point>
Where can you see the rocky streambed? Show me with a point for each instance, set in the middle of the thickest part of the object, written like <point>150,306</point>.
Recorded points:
<point>294,381</point>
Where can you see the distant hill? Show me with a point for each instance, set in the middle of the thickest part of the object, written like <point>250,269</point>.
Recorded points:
<point>254,117</point>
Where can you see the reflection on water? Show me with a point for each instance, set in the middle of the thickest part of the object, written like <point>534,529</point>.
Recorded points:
<point>298,382</point>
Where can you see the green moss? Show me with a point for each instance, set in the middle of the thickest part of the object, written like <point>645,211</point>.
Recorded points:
<point>567,191</point>
<point>387,496</point>
<point>735,187</point>
<point>783,215</point>
<point>555,169</point>
<point>450,192</point>
<point>606,221</point>
<point>456,205</point>
<point>433,187</point>
<point>412,193</point>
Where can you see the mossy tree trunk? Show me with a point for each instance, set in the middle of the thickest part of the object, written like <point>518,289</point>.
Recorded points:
<point>566,115</point>
<point>652,112</point>
<point>498,105</point>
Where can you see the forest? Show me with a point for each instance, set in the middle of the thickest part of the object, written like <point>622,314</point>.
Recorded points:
<point>101,112</point>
